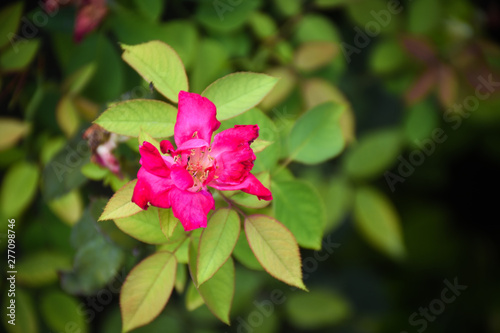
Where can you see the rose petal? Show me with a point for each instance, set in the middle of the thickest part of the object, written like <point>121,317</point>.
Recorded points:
<point>166,147</point>
<point>234,138</point>
<point>250,185</point>
<point>152,189</point>
<point>152,160</point>
<point>192,144</point>
<point>195,118</point>
<point>181,177</point>
<point>234,166</point>
<point>191,208</point>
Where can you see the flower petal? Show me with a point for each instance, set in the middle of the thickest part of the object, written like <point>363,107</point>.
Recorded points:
<point>250,185</point>
<point>166,147</point>
<point>181,177</point>
<point>234,138</point>
<point>192,144</point>
<point>191,208</point>
<point>152,160</point>
<point>195,119</point>
<point>152,189</point>
<point>234,166</point>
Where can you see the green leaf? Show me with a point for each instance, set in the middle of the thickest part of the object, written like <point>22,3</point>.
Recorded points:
<point>147,289</point>
<point>94,171</point>
<point>158,63</point>
<point>314,27</point>
<point>303,310</point>
<point>67,116</point>
<point>275,248</point>
<point>10,16</point>
<point>224,16</point>
<point>41,268</point>
<point>61,312</point>
<point>421,120</point>
<point>243,253</point>
<point>311,56</point>
<point>95,265</point>
<point>263,25</point>
<point>218,292</point>
<point>11,131</point>
<point>362,15</point>
<point>217,243</point>
<point>168,223</point>
<point>429,9</point>
<point>68,208</point>
<point>250,200</point>
<point>317,135</point>
<point>182,36</point>
<point>300,208</point>
<point>150,9</point>
<point>130,117</point>
<point>236,93</point>
<point>387,56</point>
<point>193,298</point>
<point>144,226</point>
<point>120,205</point>
<point>19,56</point>
<point>379,222</point>
<point>180,278</point>
<point>18,188</point>
<point>338,202</point>
<point>288,7</point>
<point>74,84</point>
<point>143,136</point>
<point>62,173</point>
<point>259,145</point>
<point>26,319</point>
<point>373,154</point>
<point>210,66</point>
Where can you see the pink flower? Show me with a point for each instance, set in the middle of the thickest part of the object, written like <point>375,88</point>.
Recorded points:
<point>180,178</point>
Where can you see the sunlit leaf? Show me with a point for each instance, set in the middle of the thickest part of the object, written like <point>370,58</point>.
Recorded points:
<point>11,131</point>
<point>158,63</point>
<point>299,207</point>
<point>121,205</point>
<point>236,93</point>
<point>317,135</point>
<point>314,55</point>
<point>243,253</point>
<point>147,289</point>
<point>144,226</point>
<point>128,118</point>
<point>18,188</point>
<point>67,116</point>
<point>275,248</point>
<point>68,208</point>
<point>217,242</point>
<point>168,222</point>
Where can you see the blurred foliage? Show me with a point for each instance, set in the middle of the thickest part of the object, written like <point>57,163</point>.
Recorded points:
<point>412,88</point>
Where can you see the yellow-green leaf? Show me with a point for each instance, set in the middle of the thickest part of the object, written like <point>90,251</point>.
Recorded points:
<point>121,205</point>
<point>378,221</point>
<point>158,63</point>
<point>11,131</point>
<point>238,92</point>
<point>217,242</point>
<point>275,248</point>
<point>144,226</point>
<point>146,290</point>
<point>69,207</point>
<point>18,188</point>
<point>130,117</point>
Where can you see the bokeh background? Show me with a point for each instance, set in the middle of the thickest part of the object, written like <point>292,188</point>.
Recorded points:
<point>406,69</point>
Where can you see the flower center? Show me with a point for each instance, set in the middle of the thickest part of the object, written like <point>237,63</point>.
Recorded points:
<point>199,165</point>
